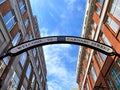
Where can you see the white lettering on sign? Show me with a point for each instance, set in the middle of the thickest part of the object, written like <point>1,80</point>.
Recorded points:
<point>64,39</point>
<point>32,43</point>
<point>90,43</point>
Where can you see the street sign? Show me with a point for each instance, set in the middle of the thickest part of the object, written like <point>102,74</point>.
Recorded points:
<point>18,49</point>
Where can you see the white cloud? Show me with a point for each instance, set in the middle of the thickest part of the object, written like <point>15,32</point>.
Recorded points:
<point>70,4</point>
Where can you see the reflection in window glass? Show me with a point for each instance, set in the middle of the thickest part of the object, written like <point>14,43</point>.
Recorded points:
<point>16,39</point>
<point>105,39</point>
<point>6,60</point>
<point>9,20</point>
<point>103,56</point>
<point>33,82</point>
<point>14,82</point>
<point>23,59</point>
<point>93,74</point>
<point>1,1</point>
<point>101,2</point>
<point>115,74</point>
<point>115,9</point>
<point>98,11</point>
<point>28,71</point>
<point>2,39</point>
<point>114,26</point>
<point>34,52</point>
<point>22,88</point>
<point>37,63</point>
<point>119,61</point>
<point>110,84</point>
<point>22,7</point>
<point>99,59</point>
<point>26,22</point>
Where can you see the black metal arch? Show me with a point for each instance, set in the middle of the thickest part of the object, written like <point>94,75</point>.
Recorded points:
<point>18,49</point>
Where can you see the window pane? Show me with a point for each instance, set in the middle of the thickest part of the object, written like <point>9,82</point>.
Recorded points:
<point>9,20</point>
<point>110,84</point>
<point>22,88</point>
<point>99,59</point>
<point>16,39</point>
<point>101,2</point>
<point>93,74</point>
<point>37,63</point>
<point>103,56</point>
<point>115,74</point>
<point>14,82</point>
<point>26,22</point>
<point>119,61</point>
<point>23,59</point>
<point>34,52</point>
<point>22,7</point>
<point>28,71</point>
<point>106,41</point>
<point>6,60</point>
<point>1,1</point>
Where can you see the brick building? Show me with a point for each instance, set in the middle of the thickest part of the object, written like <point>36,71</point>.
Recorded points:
<point>95,70</point>
<point>26,71</point>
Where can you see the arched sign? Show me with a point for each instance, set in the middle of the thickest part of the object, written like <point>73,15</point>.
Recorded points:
<point>18,49</point>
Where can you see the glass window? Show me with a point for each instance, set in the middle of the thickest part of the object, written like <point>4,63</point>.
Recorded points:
<point>115,74</point>
<point>37,63</point>
<point>23,59</point>
<point>93,33</point>
<point>34,52</point>
<point>2,39</point>
<point>14,82</point>
<point>93,74</point>
<point>16,39</point>
<point>95,25</point>
<point>26,22</point>
<point>33,82</point>
<point>115,9</point>
<point>103,56</point>
<point>114,26</point>
<point>101,2</point>
<point>98,11</point>
<point>110,84</point>
<point>28,71</point>
<point>22,7</point>
<point>9,20</point>
<point>22,88</point>
<point>6,60</point>
<point>36,86</point>
<point>119,61</point>
<point>99,59</point>
<point>30,37</point>
<point>105,39</point>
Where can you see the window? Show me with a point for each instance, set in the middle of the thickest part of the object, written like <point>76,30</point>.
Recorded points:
<point>33,82</point>
<point>103,56</point>
<point>16,39</point>
<point>9,20</point>
<point>115,74</point>
<point>30,37</point>
<point>119,61</point>
<point>95,25</point>
<point>101,2</point>
<point>28,71</point>
<point>36,86</point>
<point>22,88</point>
<point>114,26</point>
<point>6,60</point>
<point>105,39</point>
<point>37,63</point>
<point>14,82</point>
<point>110,84</point>
<point>2,39</point>
<point>98,11</point>
<point>93,33</point>
<point>26,22</point>
<point>23,59</point>
<point>93,74</point>
<point>34,52</point>
<point>99,59</point>
<point>22,7</point>
<point>115,9</point>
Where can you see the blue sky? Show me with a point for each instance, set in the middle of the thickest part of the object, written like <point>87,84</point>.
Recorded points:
<point>60,17</point>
